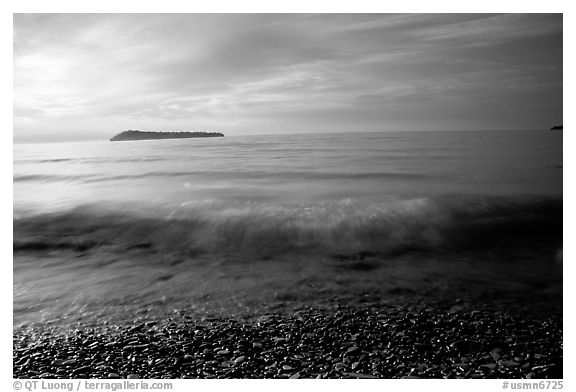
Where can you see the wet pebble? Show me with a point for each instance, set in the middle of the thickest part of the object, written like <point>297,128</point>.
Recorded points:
<point>345,341</point>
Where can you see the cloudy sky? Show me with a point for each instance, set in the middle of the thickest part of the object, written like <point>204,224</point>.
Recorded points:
<point>90,76</point>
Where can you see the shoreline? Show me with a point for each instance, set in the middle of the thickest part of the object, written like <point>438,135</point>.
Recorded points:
<point>364,340</point>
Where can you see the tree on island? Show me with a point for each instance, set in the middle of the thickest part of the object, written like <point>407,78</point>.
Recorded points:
<point>150,135</point>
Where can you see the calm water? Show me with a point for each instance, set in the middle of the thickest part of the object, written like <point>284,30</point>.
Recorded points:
<point>99,225</point>
<point>287,170</point>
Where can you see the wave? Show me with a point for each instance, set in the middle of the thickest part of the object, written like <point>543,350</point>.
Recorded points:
<point>287,175</point>
<point>48,177</point>
<point>88,160</point>
<point>347,228</point>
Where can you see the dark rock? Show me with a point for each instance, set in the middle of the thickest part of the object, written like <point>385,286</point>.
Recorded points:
<point>353,351</point>
<point>496,353</point>
<point>137,327</point>
<point>508,364</point>
<point>490,366</point>
<point>359,375</point>
<point>82,369</point>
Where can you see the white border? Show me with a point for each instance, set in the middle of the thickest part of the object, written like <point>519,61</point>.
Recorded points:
<point>247,6</point>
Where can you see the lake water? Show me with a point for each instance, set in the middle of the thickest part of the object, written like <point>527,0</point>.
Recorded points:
<point>107,229</point>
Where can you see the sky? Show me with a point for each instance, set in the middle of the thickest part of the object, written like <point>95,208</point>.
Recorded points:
<point>90,76</point>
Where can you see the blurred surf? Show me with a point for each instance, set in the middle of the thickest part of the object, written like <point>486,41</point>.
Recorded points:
<point>342,227</point>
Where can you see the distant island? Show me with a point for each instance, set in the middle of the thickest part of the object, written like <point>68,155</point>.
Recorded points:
<point>144,135</point>
<point>556,128</point>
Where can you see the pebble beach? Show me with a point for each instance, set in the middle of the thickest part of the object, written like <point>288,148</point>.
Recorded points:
<point>341,341</point>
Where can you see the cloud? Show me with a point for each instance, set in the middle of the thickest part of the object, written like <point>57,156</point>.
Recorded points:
<point>92,75</point>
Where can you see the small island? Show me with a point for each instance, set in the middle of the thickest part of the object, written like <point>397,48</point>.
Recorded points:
<point>146,135</point>
<point>557,128</point>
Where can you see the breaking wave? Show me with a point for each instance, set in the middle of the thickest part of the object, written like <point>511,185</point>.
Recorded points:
<point>435,224</point>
